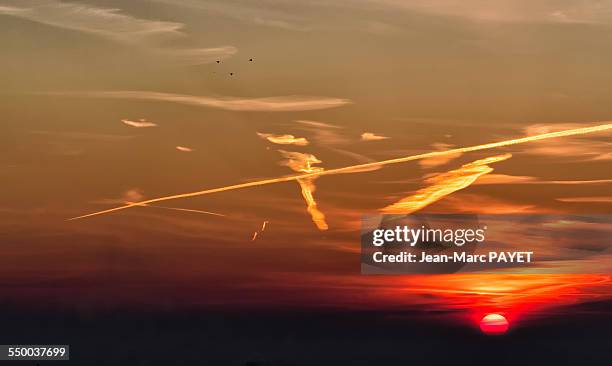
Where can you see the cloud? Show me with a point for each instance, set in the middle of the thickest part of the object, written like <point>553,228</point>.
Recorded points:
<point>257,13</point>
<point>283,139</point>
<point>131,195</point>
<point>104,22</point>
<point>114,25</point>
<point>139,124</point>
<point>441,185</point>
<point>439,160</point>
<point>82,136</point>
<point>303,163</point>
<point>504,179</point>
<point>369,136</point>
<point>522,179</point>
<point>267,104</point>
<point>11,10</point>
<point>300,162</point>
<point>317,124</point>
<point>601,199</point>
<point>71,143</point>
<point>581,148</point>
<point>184,149</point>
<point>358,158</point>
<point>510,11</point>
<point>324,133</point>
<point>575,182</point>
<point>475,203</point>
<point>196,56</point>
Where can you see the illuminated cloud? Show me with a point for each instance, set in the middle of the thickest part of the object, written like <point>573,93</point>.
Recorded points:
<point>283,139</point>
<point>601,199</point>
<point>369,136</point>
<point>133,195</point>
<point>303,163</point>
<point>504,179</point>
<point>113,24</point>
<point>300,162</point>
<point>441,159</point>
<point>184,149</point>
<point>308,189</point>
<point>138,124</point>
<point>267,104</point>
<point>442,185</point>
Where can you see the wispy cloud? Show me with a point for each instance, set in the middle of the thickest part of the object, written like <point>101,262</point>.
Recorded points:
<point>579,148</point>
<point>510,11</point>
<point>267,104</point>
<point>317,124</point>
<point>442,185</point>
<point>358,158</point>
<point>522,179</point>
<point>324,133</point>
<point>104,22</point>
<point>142,123</point>
<point>369,136</point>
<point>596,199</point>
<point>478,203</point>
<point>439,160</point>
<point>261,13</point>
<point>82,136</point>
<point>112,24</point>
<point>303,163</point>
<point>283,139</point>
<point>131,195</point>
<point>505,179</point>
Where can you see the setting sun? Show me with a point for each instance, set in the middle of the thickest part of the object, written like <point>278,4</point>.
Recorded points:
<point>494,324</point>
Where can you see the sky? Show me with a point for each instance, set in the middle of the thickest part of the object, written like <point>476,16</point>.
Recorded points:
<point>106,103</point>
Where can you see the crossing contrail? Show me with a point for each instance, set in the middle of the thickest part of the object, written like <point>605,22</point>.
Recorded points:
<point>352,168</point>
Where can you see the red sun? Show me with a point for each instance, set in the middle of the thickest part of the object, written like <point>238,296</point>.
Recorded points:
<point>494,324</point>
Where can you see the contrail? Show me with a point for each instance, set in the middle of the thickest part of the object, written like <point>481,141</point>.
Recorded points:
<point>183,209</point>
<point>348,169</point>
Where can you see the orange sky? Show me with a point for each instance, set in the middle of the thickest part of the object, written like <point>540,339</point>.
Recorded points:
<point>101,107</point>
